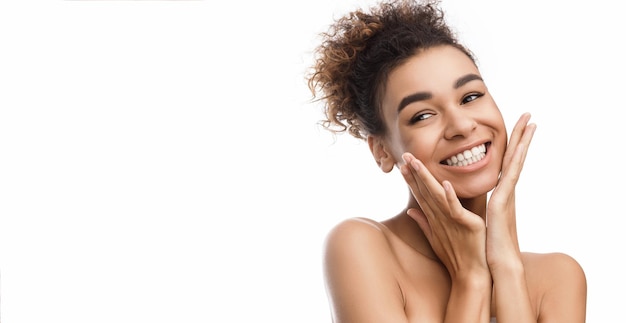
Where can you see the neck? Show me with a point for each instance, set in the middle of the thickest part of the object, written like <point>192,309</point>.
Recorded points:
<point>477,205</point>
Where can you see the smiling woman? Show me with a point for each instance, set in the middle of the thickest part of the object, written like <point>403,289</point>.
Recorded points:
<point>396,77</point>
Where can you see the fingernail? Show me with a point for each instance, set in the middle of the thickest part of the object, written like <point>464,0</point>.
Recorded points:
<point>415,165</point>
<point>406,158</point>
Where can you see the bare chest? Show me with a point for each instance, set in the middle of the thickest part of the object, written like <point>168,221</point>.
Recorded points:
<point>424,283</point>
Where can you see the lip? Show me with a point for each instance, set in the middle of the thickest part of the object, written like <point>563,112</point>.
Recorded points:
<point>472,166</point>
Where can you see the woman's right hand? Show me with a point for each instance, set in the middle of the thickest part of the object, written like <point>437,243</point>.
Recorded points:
<point>457,235</point>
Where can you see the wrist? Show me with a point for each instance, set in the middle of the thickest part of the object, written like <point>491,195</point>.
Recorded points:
<point>507,269</point>
<point>474,280</point>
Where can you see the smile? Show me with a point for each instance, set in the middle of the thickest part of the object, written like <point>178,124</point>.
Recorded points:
<point>467,157</point>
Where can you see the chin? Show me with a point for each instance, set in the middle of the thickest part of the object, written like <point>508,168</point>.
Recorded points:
<point>470,195</point>
<point>475,189</point>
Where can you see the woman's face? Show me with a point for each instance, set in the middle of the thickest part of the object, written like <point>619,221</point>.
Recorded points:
<point>437,107</point>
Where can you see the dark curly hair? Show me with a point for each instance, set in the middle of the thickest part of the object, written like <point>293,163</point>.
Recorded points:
<point>359,51</point>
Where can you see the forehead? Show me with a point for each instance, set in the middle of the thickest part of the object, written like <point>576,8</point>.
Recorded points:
<point>433,70</point>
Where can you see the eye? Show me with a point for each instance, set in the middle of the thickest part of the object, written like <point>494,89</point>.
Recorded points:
<point>471,97</point>
<point>420,117</point>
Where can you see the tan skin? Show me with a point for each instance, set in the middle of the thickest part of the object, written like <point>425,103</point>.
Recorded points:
<point>438,260</point>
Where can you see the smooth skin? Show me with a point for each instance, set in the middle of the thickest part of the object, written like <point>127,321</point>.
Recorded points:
<point>451,255</point>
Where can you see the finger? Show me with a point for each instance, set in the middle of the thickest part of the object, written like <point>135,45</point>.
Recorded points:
<point>516,164</point>
<point>408,173</point>
<point>529,133</point>
<point>457,211</point>
<point>426,190</point>
<point>430,189</point>
<point>518,129</point>
<point>415,184</point>
<point>421,220</point>
<point>409,178</point>
<point>516,134</point>
<point>511,176</point>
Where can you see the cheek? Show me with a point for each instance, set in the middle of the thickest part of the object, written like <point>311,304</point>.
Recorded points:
<point>420,144</point>
<point>496,123</point>
<point>502,136</point>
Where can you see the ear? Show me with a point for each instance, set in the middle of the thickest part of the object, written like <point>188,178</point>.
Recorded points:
<point>382,155</point>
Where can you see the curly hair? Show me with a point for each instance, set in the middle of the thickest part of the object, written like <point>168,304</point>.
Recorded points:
<point>358,52</point>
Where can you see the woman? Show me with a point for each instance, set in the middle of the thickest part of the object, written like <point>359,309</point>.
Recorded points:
<point>397,77</point>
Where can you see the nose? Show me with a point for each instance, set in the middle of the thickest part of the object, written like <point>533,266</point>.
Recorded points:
<point>459,123</point>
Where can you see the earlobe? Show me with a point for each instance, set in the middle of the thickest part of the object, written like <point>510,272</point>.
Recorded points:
<point>384,159</point>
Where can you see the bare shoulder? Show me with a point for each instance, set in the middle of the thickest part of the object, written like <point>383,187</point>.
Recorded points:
<point>360,273</point>
<point>356,240</point>
<point>560,285</point>
<point>554,267</point>
<point>354,228</point>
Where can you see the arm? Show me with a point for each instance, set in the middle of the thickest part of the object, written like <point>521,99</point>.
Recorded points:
<point>458,238</point>
<point>359,275</point>
<point>511,294</point>
<point>510,285</point>
<point>470,299</point>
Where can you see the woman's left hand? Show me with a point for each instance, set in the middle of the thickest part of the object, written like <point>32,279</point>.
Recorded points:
<point>502,242</point>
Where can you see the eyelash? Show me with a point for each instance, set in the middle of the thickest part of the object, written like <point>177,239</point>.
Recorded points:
<point>476,95</point>
<point>466,99</point>
<point>419,117</point>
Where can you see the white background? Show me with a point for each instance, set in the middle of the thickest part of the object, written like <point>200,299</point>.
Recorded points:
<point>160,160</point>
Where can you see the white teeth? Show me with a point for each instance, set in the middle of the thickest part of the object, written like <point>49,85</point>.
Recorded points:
<point>468,157</point>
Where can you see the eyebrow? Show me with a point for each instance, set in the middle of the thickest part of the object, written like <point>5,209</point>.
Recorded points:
<point>466,79</point>
<point>421,96</point>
